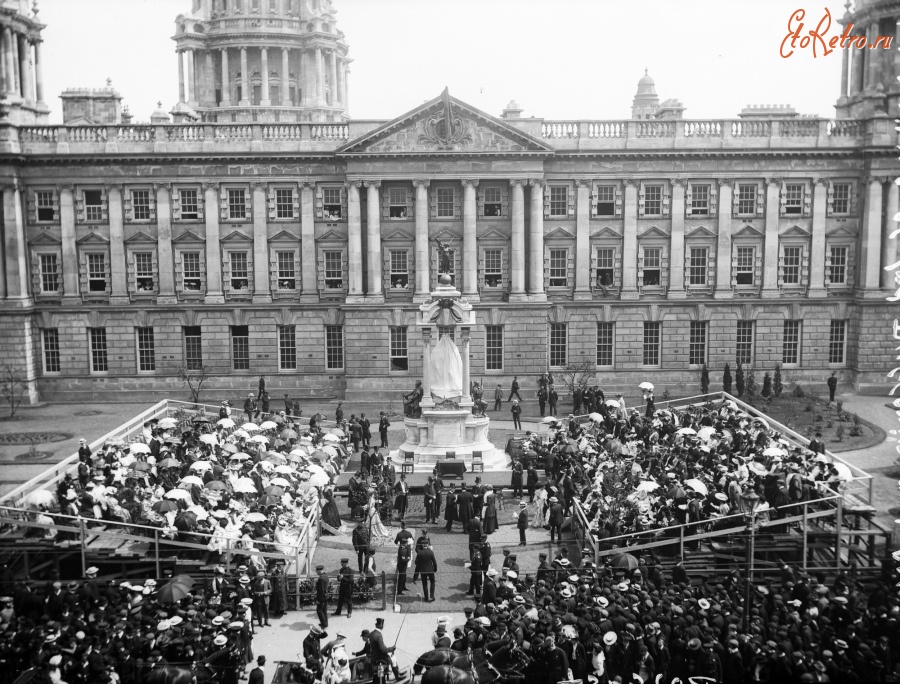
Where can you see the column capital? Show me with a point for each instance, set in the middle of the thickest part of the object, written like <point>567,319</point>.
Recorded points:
<point>304,184</point>
<point>772,181</point>
<point>536,182</point>
<point>372,183</point>
<point>583,182</point>
<point>210,185</point>
<point>420,181</point>
<point>14,185</point>
<point>721,182</point>
<point>162,186</point>
<point>69,187</point>
<point>818,180</point>
<point>467,181</point>
<point>353,183</point>
<point>677,182</point>
<point>259,185</point>
<point>629,181</point>
<point>518,181</point>
<point>113,186</point>
<point>871,180</point>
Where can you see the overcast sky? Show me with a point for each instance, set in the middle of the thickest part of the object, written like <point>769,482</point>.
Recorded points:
<point>560,59</point>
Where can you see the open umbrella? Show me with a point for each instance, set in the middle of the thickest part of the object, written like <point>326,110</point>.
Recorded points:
<point>41,497</point>
<point>255,517</point>
<point>165,506</point>
<point>209,439</point>
<point>138,448</point>
<point>648,486</point>
<point>240,456</point>
<point>330,450</point>
<point>686,431</point>
<point>175,589</point>
<point>225,423</point>
<point>774,451</point>
<point>268,425</point>
<point>169,463</point>
<point>757,468</point>
<point>596,417</point>
<point>140,466</point>
<point>250,427</point>
<point>330,438</point>
<point>275,457</point>
<point>175,494</point>
<point>624,561</point>
<point>168,423</point>
<point>216,485</point>
<point>191,480</point>
<point>646,386</point>
<point>706,432</point>
<point>199,512</point>
<point>269,500</point>
<point>288,434</point>
<point>245,485</point>
<point>843,471</point>
<point>201,466</point>
<point>241,433</point>
<point>279,482</point>
<point>317,476</point>
<point>299,451</point>
<point>267,466</point>
<point>697,486</point>
<point>762,422</point>
<point>284,469</point>
<point>230,448</point>
<point>548,419</point>
<point>278,419</point>
<point>219,513</point>
<point>612,402</point>
<point>259,439</point>
<point>336,431</point>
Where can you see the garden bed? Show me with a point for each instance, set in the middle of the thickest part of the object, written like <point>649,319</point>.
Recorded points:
<point>17,438</point>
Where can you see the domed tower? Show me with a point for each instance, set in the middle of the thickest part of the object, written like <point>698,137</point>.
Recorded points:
<point>869,83</point>
<point>21,80</point>
<point>262,60</point>
<point>646,101</point>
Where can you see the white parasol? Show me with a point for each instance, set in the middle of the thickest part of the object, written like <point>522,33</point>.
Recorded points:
<point>259,439</point>
<point>201,465</point>
<point>774,451</point>
<point>225,422</point>
<point>268,425</point>
<point>168,423</point>
<point>706,432</point>
<point>697,486</point>
<point>191,480</point>
<point>337,432</point>
<point>648,486</point>
<point>209,439</point>
<point>250,427</point>
<point>241,433</point>
<point>41,497</point>
<point>843,471</point>
<point>280,482</point>
<point>331,438</point>
<point>612,402</point>
<point>255,517</point>
<point>646,386</point>
<point>330,450</point>
<point>317,476</point>
<point>245,485</point>
<point>138,448</point>
<point>686,431</point>
<point>596,417</point>
<point>199,511</point>
<point>284,469</point>
<point>182,494</point>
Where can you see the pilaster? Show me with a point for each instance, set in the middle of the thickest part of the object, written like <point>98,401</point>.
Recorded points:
<point>676,258</point>
<point>119,277</point>
<point>374,292</point>
<point>164,244</point>
<point>817,248</point>
<point>214,294</point>
<point>583,240</point>
<point>308,256</point>
<point>517,256</point>
<point>15,252</point>
<point>889,246</point>
<point>723,242</point>
<point>354,244</point>
<point>629,242</point>
<point>423,264</point>
<point>770,250</point>
<point>261,285</point>
<point>470,240</point>
<point>536,291</point>
<point>69,247</point>
<point>871,238</point>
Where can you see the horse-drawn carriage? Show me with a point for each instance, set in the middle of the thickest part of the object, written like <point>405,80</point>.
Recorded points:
<point>288,672</point>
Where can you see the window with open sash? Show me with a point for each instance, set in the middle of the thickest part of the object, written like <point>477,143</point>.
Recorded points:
<point>191,273</point>
<point>399,351</point>
<point>240,271</point>
<point>794,199</point>
<point>605,200</point>
<point>94,208</point>
<point>287,274</point>
<point>332,202</point>
<point>237,204</point>
<point>334,270</point>
<point>188,204</point>
<point>651,267</point>
<point>493,267</point>
<point>699,203</point>
<point>46,206</point>
<point>399,269</point>
<point>559,264</point>
<point>144,272</point>
<point>606,267</point>
<point>745,266</point>
<point>398,203</point>
<point>493,201</point>
<point>96,272</point>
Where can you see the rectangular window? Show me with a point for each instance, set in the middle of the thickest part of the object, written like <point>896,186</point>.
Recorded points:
<point>559,201</point>
<point>284,203</point>
<point>699,261</point>
<point>559,259</point>
<point>399,350</point>
<point>447,331</point>
<point>840,198</point>
<point>837,336</point>
<point>791,271</point>
<point>99,360</point>
<point>51,350</point>
<point>240,347</point>
<point>493,267</point>
<point>745,266</point>
<point>653,200</point>
<point>334,347</point>
<point>445,201</point>
<point>493,201</point>
<point>793,199</point>
<point>331,203</point>
<point>145,348</point>
<point>397,203</point>
<point>744,342</point>
<point>143,272</point>
<point>49,273</point>
<point>190,205</point>
<point>606,200</point>
<point>606,260</point>
<point>93,205</point>
<point>287,277</point>
<point>838,267</point>
<point>697,343</point>
<point>493,347</point>
<point>190,264</point>
<point>559,345</point>
<point>746,199</point>
<point>699,200</point>
<point>605,348</point>
<point>651,343</point>
<point>237,203</point>
<point>140,205</point>
<point>790,345</point>
<point>44,204</point>
<point>240,271</point>
<point>287,347</point>
<point>399,269</point>
<point>334,271</point>
<point>652,266</point>
<point>193,347</point>
<point>96,272</point>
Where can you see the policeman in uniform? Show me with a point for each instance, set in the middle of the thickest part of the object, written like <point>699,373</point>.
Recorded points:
<point>345,588</point>
<point>322,597</point>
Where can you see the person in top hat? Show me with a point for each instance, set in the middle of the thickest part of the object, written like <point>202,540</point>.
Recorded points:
<point>522,522</point>
<point>378,652</point>
<point>257,674</point>
<point>345,588</point>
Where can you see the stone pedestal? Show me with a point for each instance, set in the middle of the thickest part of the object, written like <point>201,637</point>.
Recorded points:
<point>456,431</point>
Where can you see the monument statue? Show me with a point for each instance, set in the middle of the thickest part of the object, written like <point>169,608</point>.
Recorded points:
<point>411,408</point>
<point>479,405</point>
<point>444,252</point>
<point>446,370</point>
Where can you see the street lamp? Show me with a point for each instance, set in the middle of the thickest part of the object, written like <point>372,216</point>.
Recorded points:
<point>750,501</point>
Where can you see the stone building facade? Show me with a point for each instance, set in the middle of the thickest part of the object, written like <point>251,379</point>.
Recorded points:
<point>300,248</point>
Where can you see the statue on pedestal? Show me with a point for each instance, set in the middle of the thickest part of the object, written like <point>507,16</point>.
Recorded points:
<point>478,404</point>
<point>444,252</point>
<point>411,408</point>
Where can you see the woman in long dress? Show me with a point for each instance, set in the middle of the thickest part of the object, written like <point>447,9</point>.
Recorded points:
<point>373,519</point>
<point>490,511</point>
<point>330,515</point>
<point>537,508</point>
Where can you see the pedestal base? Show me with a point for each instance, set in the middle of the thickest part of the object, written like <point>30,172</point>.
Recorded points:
<point>455,434</point>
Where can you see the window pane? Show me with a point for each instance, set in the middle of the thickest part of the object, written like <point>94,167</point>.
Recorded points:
<point>51,350</point>
<point>99,362</point>
<point>652,272</point>
<point>140,205</point>
<point>240,347</point>
<point>334,271</point>
<point>793,198</point>
<point>399,269</point>
<point>239,271</point>
<point>284,203</point>
<point>697,343</point>
<point>558,344</point>
<point>606,200</point>
<point>698,266</point>
<point>791,273</point>
<point>605,336</point>
<point>559,200</point>
<point>747,199</point>
<point>189,204</point>
<point>699,200</point>
<point>193,347</point>
<point>606,260</point>
<point>331,201</point>
<point>96,272</point>
<point>838,269</point>
<point>399,352</point>
<point>652,200</point>
<point>493,347</point>
<point>334,347</point>
<point>745,263</point>
<point>836,341</point>
<point>445,202</point>
<point>287,347</point>
<point>237,207</point>
<point>93,205</point>
<point>651,343</point>
<point>49,273</point>
<point>744,346</point>
<point>790,350</point>
<point>287,277</point>
<point>493,201</point>
<point>190,264</point>
<point>44,201</point>
<point>493,267</point>
<point>146,353</point>
<point>840,198</point>
<point>559,267</point>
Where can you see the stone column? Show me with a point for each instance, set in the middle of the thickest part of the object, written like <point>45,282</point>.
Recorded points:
<point>817,247</point>
<point>770,251</point>
<point>320,78</point>
<point>339,85</point>
<point>676,251</point>
<point>165,256</point>
<point>264,59</point>
<point>191,80</point>
<point>17,75</point>
<point>304,82</point>
<point>38,73</point>
<point>427,401</point>
<point>345,96</point>
<point>226,85</point>
<point>181,95</point>
<point>723,243</point>
<point>583,240</point>
<point>466,382</point>
<point>856,82</point>
<point>69,247</point>
<point>629,241</point>
<point>245,79</point>
<point>118,293</point>
<point>470,240</point>
<point>423,261</point>
<point>262,288</point>
<point>208,85</point>
<point>25,69</point>
<point>285,77</point>
<point>354,243</point>
<point>4,64</point>
<point>536,243</point>
<point>871,240</point>
<point>889,246</point>
<point>308,255</point>
<point>373,242</point>
<point>517,242</point>
<point>335,95</point>
<point>16,247</point>
<point>214,293</point>
<point>8,61</point>
<point>845,72</point>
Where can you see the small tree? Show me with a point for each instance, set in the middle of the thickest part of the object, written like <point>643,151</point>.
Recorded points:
<point>739,379</point>
<point>13,389</point>
<point>577,375</point>
<point>704,379</point>
<point>726,379</point>
<point>767,386</point>
<point>778,387</point>
<point>194,378</point>
<point>751,388</point>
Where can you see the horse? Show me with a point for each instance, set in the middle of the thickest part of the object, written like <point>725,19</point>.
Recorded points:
<point>480,663</point>
<point>445,674</point>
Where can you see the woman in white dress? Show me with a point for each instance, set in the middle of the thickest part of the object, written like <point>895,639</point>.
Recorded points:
<point>536,518</point>
<point>373,518</point>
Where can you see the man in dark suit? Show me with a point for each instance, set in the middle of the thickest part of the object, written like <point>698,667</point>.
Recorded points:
<point>322,596</point>
<point>475,533</point>
<point>542,399</point>
<point>522,523</point>
<point>426,568</point>
<point>556,517</point>
<point>345,588</point>
<point>364,460</point>
<point>249,408</point>
<point>421,543</point>
<point>514,390</point>
<point>438,493</point>
<point>403,557</point>
<point>360,539</point>
<point>257,675</point>
<point>516,411</point>
<point>450,508</point>
<point>489,589</point>
<point>366,426</point>
<point>355,434</point>
<point>464,507</point>
<point>552,398</point>
<point>428,495</point>
<point>383,425</point>
<point>378,652</point>
<point>401,490</point>
<point>477,573</point>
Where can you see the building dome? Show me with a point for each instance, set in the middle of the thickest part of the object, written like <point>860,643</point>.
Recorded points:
<point>646,101</point>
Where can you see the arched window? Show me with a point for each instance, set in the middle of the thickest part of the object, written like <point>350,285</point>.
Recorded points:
<point>275,88</point>
<point>294,92</point>
<point>256,87</point>
<point>326,28</point>
<point>311,27</point>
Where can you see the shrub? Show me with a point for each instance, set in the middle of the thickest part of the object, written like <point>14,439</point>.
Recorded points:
<point>818,417</point>
<point>704,379</point>
<point>751,387</point>
<point>778,387</point>
<point>726,379</point>
<point>840,433</point>
<point>808,408</point>
<point>840,407</point>
<point>829,423</point>
<point>856,430</point>
<point>739,379</point>
<point>767,386</point>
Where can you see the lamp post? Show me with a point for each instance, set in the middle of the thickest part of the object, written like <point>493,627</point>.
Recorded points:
<point>750,502</point>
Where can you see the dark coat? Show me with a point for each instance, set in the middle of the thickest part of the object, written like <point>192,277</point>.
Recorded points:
<point>556,515</point>
<point>426,562</point>
<point>464,509</point>
<point>450,514</point>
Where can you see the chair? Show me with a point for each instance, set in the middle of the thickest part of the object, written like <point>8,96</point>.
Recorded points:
<point>477,462</point>
<point>451,455</point>
<point>409,463</point>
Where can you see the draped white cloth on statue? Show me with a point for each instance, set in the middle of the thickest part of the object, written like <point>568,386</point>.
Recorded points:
<point>446,370</point>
